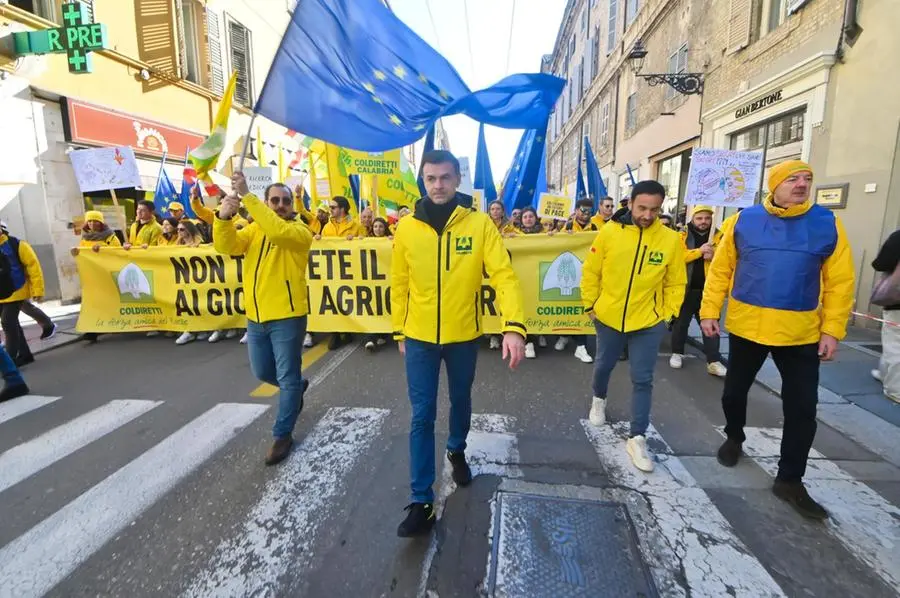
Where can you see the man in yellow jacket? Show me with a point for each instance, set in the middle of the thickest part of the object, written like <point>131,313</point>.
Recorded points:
<point>275,247</point>
<point>787,271</point>
<point>605,211</point>
<point>632,283</point>
<point>145,230</point>
<point>341,224</point>
<point>440,252</point>
<point>21,279</point>
<point>699,241</point>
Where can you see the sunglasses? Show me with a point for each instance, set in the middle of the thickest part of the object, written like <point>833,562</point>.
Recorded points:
<point>584,210</point>
<point>334,207</point>
<point>182,230</point>
<point>285,201</point>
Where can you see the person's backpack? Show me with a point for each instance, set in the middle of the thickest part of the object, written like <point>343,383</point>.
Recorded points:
<point>7,284</point>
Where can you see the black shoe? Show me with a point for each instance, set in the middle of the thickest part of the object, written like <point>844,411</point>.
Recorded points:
<point>462,475</point>
<point>49,332</point>
<point>729,452</point>
<point>334,342</point>
<point>12,392</point>
<point>419,521</point>
<point>23,361</point>
<point>279,450</point>
<point>794,493</point>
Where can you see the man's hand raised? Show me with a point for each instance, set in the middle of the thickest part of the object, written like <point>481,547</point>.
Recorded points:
<point>229,206</point>
<point>513,348</point>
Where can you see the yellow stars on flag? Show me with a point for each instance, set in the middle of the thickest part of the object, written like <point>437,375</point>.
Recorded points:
<point>423,78</point>
<point>538,138</point>
<point>444,94</point>
<point>376,99</point>
<point>369,87</point>
<point>399,71</point>
<point>418,127</point>
<point>380,75</point>
<point>396,120</point>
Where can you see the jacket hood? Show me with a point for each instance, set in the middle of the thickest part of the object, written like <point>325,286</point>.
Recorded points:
<point>419,212</point>
<point>622,216</point>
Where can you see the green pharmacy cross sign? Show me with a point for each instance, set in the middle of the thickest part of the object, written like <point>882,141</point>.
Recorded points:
<point>77,38</point>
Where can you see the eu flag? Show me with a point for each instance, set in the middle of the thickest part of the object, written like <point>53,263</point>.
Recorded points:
<point>165,193</point>
<point>351,73</point>
<point>580,191</point>
<point>526,180</point>
<point>483,178</point>
<point>594,181</point>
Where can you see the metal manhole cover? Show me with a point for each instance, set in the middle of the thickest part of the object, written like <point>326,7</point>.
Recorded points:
<point>556,548</point>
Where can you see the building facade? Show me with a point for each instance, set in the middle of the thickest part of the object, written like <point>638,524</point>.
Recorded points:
<point>156,88</point>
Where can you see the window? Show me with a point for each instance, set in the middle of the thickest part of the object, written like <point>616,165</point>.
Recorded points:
<point>571,49</point>
<point>632,7</point>
<point>581,79</point>
<point>604,124</point>
<point>189,47</point>
<point>239,49</point>
<point>782,130</point>
<point>595,53</point>
<point>611,39</point>
<point>677,64</point>
<point>776,14</point>
<point>586,131</point>
<point>631,112</point>
<point>584,20</point>
<point>50,9</point>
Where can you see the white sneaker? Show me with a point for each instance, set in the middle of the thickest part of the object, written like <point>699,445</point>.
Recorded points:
<point>582,354</point>
<point>185,338</point>
<point>529,351</point>
<point>244,339</point>
<point>216,336</point>
<point>877,375</point>
<point>495,343</point>
<point>542,342</point>
<point>308,340</point>
<point>381,341</point>
<point>153,333</point>
<point>676,362</point>
<point>716,369</point>
<point>636,447</point>
<point>370,346</point>
<point>561,343</point>
<point>230,333</point>
<point>597,416</point>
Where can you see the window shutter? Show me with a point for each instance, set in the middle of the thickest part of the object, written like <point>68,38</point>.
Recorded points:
<point>156,39</point>
<point>89,5</point>
<point>795,5</point>
<point>214,47</point>
<point>589,63</point>
<point>739,25</point>
<point>611,31</point>
<point>182,49</point>
<point>239,48</point>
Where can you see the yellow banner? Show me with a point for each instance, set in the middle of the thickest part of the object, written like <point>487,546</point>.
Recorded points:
<point>377,163</point>
<point>178,289</point>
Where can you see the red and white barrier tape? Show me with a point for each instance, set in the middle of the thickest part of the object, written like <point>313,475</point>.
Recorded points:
<point>874,319</point>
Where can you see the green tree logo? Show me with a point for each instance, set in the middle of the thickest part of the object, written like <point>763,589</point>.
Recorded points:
<point>561,278</point>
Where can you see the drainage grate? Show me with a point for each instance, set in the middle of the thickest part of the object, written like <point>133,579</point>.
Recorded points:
<point>558,548</point>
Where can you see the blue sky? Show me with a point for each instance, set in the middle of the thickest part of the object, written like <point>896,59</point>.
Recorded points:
<point>533,34</point>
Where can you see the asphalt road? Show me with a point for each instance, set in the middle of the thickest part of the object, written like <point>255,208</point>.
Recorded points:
<point>139,473</point>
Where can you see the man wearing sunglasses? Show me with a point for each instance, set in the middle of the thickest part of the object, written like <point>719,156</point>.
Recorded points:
<point>582,220</point>
<point>275,247</point>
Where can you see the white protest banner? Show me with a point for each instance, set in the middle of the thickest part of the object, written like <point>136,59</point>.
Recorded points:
<point>723,178</point>
<point>465,172</point>
<point>105,168</point>
<point>556,207</point>
<point>258,178</point>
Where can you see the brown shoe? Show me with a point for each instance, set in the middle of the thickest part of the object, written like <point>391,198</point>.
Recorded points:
<point>281,448</point>
<point>794,493</point>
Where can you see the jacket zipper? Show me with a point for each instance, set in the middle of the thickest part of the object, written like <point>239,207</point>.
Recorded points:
<point>438,336</point>
<point>262,246</point>
<point>477,326</point>
<point>448,251</point>
<point>290,295</point>
<point>655,313</point>
<point>637,252</point>
<point>643,255</point>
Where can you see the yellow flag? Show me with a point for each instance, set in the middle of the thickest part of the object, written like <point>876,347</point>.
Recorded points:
<point>205,156</point>
<point>338,180</point>
<point>282,167</point>
<point>260,153</point>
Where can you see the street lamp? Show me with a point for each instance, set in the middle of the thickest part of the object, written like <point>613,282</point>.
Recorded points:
<point>684,83</point>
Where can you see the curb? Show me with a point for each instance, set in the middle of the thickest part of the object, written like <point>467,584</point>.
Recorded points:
<point>76,336</point>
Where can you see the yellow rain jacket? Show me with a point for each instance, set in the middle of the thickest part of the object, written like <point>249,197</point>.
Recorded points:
<point>778,327</point>
<point>575,227</point>
<point>343,228</point>
<point>163,242</point>
<point>275,254</point>
<point>29,269</point>
<point>634,278</point>
<point>436,279</point>
<point>146,234</point>
<point>598,221</point>
<point>110,241</point>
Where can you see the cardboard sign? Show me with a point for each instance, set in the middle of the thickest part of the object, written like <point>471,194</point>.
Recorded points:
<point>258,178</point>
<point>105,168</point>
<point>556,207</point>
<point>723,177</point>
<point>465,173</point>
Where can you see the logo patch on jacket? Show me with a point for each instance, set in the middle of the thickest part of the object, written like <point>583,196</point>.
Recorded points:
<point>656,258</point>
<point>463,245</point>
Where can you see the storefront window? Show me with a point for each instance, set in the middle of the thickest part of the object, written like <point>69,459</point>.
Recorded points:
<point>673,175</point>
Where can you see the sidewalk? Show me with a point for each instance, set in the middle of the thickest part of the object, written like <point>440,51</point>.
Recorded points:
<point>64,316</point>
<point>850,400</point>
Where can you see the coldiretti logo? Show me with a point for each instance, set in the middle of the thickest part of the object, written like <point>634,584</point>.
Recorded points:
<point>656,258</point>
<point>463,244</point>
<point>560,280</point>
<point>135,285</point>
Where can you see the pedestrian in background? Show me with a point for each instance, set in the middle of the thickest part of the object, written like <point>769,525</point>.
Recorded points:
<point>145,230</point>
<point>13,384</point>
<point>605,210</point>
<point>632,283</point>
<point>440,254</point>
<point>21,279</point>
<point>275,290</point>
<point>343,226</point>
<point>699,242</point>
<point>787,271</point>
<point>888,372</point>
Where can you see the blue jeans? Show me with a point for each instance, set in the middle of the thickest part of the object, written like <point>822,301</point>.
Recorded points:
<point>643,348</point>
<point>423,368</point>
<point>11,375</point>
<point>276,353</point>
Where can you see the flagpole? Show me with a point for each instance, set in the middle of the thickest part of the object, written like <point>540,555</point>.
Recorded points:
<point>246,143</point>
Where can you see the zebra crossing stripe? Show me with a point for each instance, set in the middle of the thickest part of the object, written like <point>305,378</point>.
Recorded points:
<point>25,460</point>
<point>36,561</point>
<point>23,405</point>
<point>861,519</point>
<point>282,527</point>
<point>687,537</point>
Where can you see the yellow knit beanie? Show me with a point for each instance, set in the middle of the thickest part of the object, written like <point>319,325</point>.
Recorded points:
<point>780,172</point>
